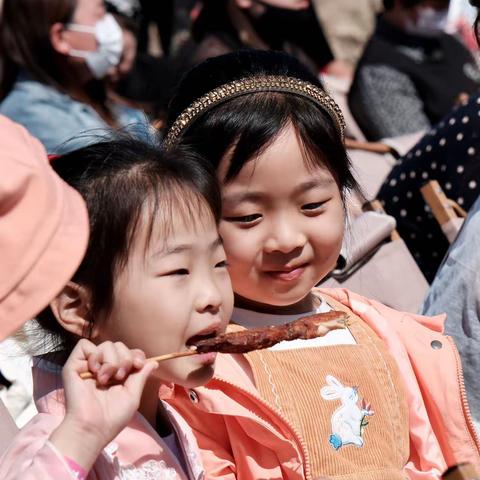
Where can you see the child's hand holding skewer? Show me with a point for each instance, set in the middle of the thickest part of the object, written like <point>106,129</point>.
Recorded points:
<point>98,409</point>
<point>159,358</point>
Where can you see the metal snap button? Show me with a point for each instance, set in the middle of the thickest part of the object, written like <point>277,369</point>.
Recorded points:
<point>192,394</point>
<point>436,344</point>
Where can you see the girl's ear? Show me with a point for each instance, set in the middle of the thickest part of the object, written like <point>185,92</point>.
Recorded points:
<point>57,39</point>
<point>71,309</point>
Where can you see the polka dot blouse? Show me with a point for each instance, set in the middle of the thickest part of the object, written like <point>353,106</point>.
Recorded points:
<point>450,154</point>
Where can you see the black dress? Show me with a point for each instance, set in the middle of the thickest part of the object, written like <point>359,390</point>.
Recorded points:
<point>450,154</point>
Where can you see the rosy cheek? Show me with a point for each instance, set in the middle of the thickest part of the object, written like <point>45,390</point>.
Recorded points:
<point>336,243</point>
<point>230,240</point>
<point>338,233</point>
<point>235,257</point>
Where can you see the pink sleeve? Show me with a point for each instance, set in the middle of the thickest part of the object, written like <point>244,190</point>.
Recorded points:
<point>32,457</point>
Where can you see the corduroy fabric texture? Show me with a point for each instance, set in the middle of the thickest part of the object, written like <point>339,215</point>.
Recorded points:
<point>292,380</point>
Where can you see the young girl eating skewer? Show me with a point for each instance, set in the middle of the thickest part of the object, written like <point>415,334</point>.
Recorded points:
<point>153,278</point>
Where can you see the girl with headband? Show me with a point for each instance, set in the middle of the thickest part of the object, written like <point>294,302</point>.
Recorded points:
<point>381,399</point>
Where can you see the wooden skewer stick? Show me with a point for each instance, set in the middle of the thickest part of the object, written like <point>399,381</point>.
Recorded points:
<point>159,358</point>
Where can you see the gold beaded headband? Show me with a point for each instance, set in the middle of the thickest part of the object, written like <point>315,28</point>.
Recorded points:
<point>270,83</point>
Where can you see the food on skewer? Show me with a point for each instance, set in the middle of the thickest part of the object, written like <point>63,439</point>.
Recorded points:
<point>258,338</point>
<point>247,340</point>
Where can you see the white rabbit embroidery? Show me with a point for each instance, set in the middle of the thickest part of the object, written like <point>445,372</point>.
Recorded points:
<point>348,420</point>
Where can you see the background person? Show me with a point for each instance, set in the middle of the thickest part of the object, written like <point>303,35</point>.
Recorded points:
<point>411,72</point>
<point>55,55</point>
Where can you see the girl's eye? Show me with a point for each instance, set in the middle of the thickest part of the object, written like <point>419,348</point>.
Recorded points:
<point>313,206</point>
<point>222,264</point>
<point>244,219</point>
<point>180,271</point>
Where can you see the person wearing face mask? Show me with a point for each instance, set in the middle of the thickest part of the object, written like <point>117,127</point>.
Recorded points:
<point>55,55</point>
<point>411,72</point>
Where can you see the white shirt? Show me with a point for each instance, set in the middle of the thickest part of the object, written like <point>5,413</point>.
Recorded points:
<point>251,319</point>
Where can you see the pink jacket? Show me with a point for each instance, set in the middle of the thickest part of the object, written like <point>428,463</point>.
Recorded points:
<point>242,437</point>
<point>138,452</point>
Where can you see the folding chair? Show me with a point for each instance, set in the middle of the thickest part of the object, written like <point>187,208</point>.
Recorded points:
<point>374,260</point>
<point>372,161</point>
<point>376,263</point>
<point>448,213</point>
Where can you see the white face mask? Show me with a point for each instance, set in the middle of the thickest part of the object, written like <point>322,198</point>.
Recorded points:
<point>109,37</point>
<point>430,22</point>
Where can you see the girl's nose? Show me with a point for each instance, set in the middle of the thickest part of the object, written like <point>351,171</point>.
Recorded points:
<point>284,237</point>
<point>209,298</point>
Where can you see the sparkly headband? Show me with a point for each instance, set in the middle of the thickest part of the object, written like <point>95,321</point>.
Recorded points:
<point>255,84</point>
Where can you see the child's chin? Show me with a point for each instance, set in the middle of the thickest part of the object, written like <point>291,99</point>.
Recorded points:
<point>278,297</point>
<point>285,295</point>
<point>289,298</point>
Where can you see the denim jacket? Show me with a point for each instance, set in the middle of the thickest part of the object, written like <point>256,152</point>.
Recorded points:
<point>456,291</point>
<point>61,123</point>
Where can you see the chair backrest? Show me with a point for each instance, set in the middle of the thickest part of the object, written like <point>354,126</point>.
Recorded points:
<point>379,266</point>
<point>373,161</point>
<point>370,169</point>
<point>367,231</point>
<point>390,275</point>
<point>8,429</point>
<point>403,143</point>
<point>449,214</point>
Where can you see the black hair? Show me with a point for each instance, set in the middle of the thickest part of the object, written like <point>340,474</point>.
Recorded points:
<point>119,179</point>
<point>25,41</point>
<point>243,127</point>
<point>476,4</point>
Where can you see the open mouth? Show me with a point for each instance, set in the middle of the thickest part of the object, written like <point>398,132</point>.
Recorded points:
<point>192,341</point>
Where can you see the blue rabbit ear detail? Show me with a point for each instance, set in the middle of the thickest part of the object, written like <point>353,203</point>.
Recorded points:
<point>335,441</point>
